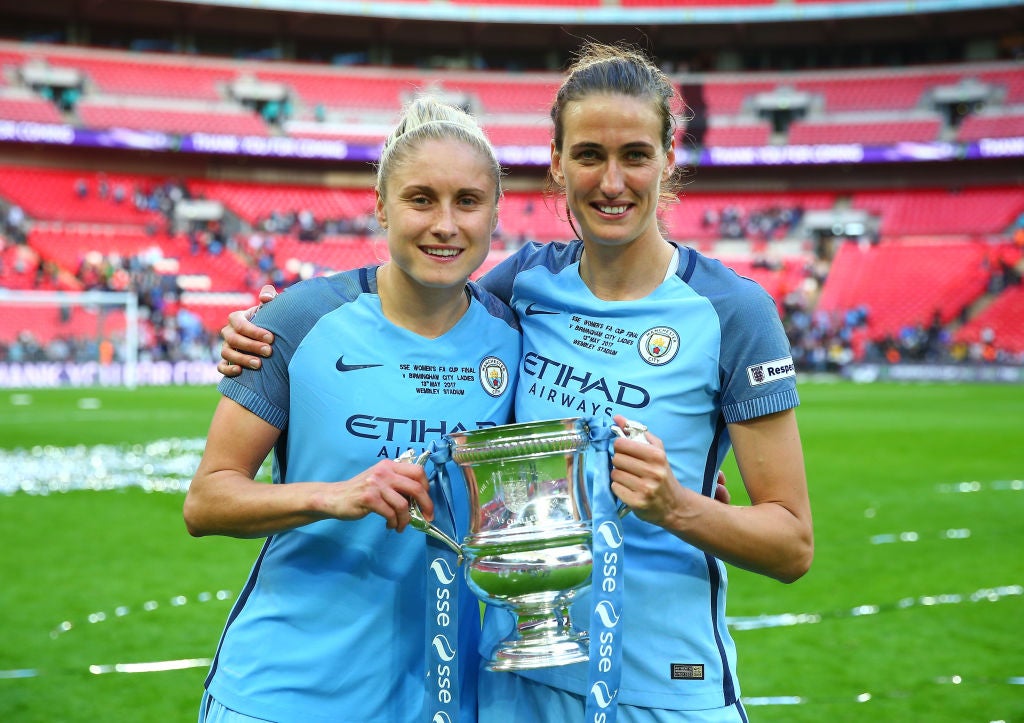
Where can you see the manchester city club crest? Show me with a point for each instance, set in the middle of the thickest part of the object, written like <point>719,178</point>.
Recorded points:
<point>659,345</point>
<point>493,375</point>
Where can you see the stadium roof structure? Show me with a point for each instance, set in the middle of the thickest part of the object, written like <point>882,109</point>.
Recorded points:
<point>672,28</point>
<point>692,36</point>
<point>612,13</point>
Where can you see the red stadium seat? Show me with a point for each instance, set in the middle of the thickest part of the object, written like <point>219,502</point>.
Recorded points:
<point>905,283</point>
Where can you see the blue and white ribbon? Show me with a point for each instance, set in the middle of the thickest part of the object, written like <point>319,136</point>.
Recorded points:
<point>607,589</point>
<point>442,628</point>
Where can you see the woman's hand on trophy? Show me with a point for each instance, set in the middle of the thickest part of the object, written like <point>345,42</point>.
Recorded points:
<point>386,489</point>
<point>244,342</point>
<point>643,479</point>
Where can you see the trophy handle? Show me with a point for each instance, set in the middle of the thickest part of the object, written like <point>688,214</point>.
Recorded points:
<point>416,514</point>
<point>632,430</point>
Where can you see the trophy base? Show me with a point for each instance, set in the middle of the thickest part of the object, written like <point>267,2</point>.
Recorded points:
<point>516,655</point>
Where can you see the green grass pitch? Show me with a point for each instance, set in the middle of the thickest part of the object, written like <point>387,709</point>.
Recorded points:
<point>912,610</point>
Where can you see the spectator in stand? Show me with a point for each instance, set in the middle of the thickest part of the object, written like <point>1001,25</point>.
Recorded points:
<point>15,224</point>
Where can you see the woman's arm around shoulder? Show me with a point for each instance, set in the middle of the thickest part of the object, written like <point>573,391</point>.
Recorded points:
<point>245,344</point>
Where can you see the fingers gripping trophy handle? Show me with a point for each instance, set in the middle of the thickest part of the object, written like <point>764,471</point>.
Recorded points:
<point>417,520</point>
<point>632,430</point>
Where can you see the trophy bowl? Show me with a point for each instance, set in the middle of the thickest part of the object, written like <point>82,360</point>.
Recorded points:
<point>529,544</point>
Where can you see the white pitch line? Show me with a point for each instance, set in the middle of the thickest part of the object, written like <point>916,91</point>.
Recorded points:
<point>149,606</point>
<point>20,673</point>
<point>153,667</point>
<point>783,620</point>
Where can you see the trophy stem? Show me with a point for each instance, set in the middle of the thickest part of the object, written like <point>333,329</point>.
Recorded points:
<point>544,637</point>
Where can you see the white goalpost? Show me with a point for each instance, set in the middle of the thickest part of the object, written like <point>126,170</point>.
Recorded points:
<point>14,319</point>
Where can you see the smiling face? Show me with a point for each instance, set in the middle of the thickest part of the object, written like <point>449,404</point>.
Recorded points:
<point>612,165</point>
<point>439,208</point>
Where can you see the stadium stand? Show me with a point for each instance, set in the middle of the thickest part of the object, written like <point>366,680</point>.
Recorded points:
<point>928,248</point>
<point>52,325</point>
<point>101,114</point>
<point>50,194</point>
<point>33,109</point>
<point>904,283</point>
<point>876,90</point>
<point>997,326</point>
<point>125,74</point>
<point>991,125</point>
<point>719,135</point>
<point>952,211</point>
<point>884,132</point>
<point>254,202</point>
<point>120,89</point>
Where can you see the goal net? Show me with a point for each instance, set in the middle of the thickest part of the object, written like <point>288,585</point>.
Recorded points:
<point>61,338</point>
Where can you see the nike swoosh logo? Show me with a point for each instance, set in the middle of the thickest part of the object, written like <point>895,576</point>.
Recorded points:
<point>530,311</point>
<point>341,366</point>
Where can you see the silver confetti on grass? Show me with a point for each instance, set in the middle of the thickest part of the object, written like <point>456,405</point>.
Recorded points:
<point>165,465</point>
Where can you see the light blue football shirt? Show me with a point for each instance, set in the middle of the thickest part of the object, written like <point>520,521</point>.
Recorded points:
<point>330,625</point>
<point>704,349</point>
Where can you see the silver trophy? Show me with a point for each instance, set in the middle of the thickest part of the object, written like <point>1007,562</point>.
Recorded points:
<point>529,547</point>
